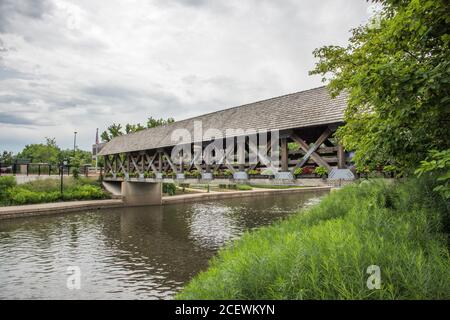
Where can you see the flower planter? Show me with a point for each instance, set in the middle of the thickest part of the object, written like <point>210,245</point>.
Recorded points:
<point>221,177</point>
<point>307,176</point>
<point>260,176</point>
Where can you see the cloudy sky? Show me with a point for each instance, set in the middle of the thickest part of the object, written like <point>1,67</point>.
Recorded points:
<point>79,65</point>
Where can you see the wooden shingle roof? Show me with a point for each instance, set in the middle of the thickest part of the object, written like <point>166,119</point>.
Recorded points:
<point>296,110</point>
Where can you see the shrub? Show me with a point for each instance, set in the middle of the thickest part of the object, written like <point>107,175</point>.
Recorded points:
<point>149,175</point>
<point>321,171</point>
<point>6,182</point>
<point>324,252</point>
<point>267,172</point>
<point>227,173</point>
<point>298,171</point>
<point>20,196</point>
<point>48,190</point>
<point>193,174</point>
<point>85,192</point>
<point>243,187</point>
<point>169,188</point>
<point>253,172</point>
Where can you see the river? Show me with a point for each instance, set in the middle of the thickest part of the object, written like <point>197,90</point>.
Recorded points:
<point>127,253</point>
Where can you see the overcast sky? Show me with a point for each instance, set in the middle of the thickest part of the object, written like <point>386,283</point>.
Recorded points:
<point>79,65</point>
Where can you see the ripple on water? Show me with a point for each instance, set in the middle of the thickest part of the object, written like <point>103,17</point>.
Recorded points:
<point>131,253</point>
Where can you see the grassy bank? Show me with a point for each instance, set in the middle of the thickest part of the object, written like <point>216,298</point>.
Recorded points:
<point>42,191</point>
<point>324,252</point>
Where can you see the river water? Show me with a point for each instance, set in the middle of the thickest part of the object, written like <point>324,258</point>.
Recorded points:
<point>127,253</point>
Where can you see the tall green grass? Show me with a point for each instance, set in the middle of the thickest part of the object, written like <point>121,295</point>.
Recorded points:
<point>324,252</point>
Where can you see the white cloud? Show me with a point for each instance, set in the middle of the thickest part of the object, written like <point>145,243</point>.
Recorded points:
<point>77,65</point>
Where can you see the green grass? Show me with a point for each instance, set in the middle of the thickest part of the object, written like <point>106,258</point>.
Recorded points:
<point>243,187</point>
<point>48,190</point>
<point>324,252</point>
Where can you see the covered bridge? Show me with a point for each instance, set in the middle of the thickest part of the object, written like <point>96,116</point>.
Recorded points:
<point>304,122</point>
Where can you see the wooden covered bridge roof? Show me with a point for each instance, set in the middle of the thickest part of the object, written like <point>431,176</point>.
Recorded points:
<point>296,110</point>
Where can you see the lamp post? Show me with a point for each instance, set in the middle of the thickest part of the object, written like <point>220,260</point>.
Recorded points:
<point>63,163</point>
<point>74,142</point>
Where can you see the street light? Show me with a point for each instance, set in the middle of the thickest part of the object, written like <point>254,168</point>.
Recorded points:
<point>63,164</point>
<point>74,142</point>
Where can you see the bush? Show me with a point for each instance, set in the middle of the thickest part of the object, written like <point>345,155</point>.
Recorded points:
<point>227,173</point>
<point>85,192</point>
<point>48,190</point>
<point>243,187</point>
<point>321,171</point>
<point>298,171</point>
<point>149,175</point>
<point>169,188</point>
<point>324,252</point>
<point>6,182</point>
<point>20,196</point>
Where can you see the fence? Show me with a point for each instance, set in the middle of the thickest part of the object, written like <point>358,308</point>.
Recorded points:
<point>43,169</point>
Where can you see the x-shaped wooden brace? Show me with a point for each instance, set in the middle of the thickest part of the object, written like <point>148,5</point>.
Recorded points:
<point>120,163</point>
<point>133,161</point>
<point>310,152</point>
<point>150,162</point>
<point>108,166</point>
<point>174,168</point>
<point>224,158</point>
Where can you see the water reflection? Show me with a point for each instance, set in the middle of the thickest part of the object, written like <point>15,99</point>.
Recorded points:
<point>134,253</point>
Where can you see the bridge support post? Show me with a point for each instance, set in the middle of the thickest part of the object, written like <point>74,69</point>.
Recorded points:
<point>341,157</point>
<point>141,193</point>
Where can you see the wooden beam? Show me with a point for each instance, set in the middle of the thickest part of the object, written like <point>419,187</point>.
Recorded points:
<point>341,157</point>
<point>310,151</point>
<point>284,154</point>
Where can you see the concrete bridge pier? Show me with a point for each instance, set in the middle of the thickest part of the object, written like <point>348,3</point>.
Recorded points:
<point>136,193</point>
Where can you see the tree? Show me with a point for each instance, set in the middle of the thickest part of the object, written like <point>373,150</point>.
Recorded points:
<point>44,153</point>
<point>113,131</point>
<point>131,128</point>
<point>397,79</point>
<point>152,122</point>
<point>84,157</point>
<point>7,157</point>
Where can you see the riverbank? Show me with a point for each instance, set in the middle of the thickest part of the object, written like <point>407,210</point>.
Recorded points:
<point>372,240</point>
<point>10,212</point>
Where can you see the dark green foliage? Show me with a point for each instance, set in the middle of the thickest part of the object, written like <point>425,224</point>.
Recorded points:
<point>6,183</point>
<point>397,76</point>
<point>324,251</point>
<point>437,165</point>
<point>169,188</point>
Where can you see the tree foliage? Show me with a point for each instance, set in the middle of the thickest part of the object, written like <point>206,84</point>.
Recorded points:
<point>7,157</point>
<point>41,152</point>
<point>397,77</point>
<point>438,164</point>
<point>115,130</point>
<point>49,152</point>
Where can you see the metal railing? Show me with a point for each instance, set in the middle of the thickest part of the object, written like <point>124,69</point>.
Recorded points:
<point>42,169</point>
